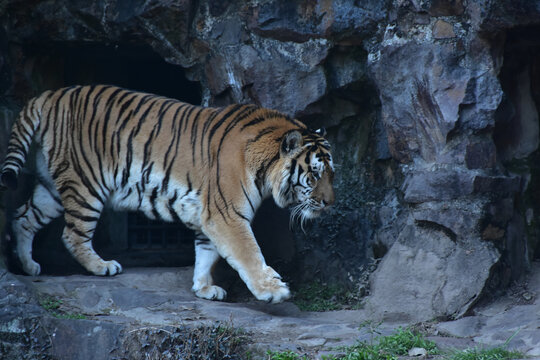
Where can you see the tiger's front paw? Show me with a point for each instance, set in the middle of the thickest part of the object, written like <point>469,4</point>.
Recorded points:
<point>107,268</point>
<point>31,267</point>
<point>211,292</point>
<point>271,289</point>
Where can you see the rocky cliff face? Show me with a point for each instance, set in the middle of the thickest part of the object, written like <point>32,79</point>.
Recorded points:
<point>431,106</point>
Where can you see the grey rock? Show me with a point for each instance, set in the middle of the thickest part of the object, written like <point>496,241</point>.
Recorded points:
<point>275,327</point>
<point>443,30</point>
<point>299,22</point>
<point>503,321</point>
<point>420,102</point>
<point>413,281</point>
<point>458,218</point>
<point>481,154</point>
<point>445,8</point>
<point>82,339</point>
<point>468,326</point>
<point>502,185</point>
<point>437,184</point>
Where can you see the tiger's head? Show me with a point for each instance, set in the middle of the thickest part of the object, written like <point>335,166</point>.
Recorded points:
<point>305,181</point>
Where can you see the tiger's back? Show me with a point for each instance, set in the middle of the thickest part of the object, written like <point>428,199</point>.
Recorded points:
<point>125,147</point>
<point>208,167</point>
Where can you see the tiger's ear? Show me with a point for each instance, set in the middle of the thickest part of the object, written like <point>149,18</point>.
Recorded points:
<point>291,142</point>
<point>321,132</point>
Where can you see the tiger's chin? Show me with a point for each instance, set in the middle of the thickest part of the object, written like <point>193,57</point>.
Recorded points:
<point>312,213</point>
<point>302,212</point>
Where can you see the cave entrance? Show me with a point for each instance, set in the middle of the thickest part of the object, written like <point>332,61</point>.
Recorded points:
<point>130,238</point>
<point>516,134</point>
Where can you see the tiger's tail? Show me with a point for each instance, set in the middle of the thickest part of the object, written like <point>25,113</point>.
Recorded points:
<point>22,133</point>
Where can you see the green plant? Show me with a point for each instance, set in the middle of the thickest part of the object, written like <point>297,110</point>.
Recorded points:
<point>398,344</point>
<point>52,305</point>
<point>485,354</point>
<point>317,296</point>
<point>72,316</point>
<point>285,355</point>
<point>372,328</point>
<point>403,340</point>
<point>387,347</point>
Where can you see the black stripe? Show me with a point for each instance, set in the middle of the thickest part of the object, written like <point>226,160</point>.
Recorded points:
<point>174,214</point>
<point>37,218</point>
<point>202,241</point>
<point>80,201</point>
<point>130,190</point>
<point>73,228</point>
<point>55,122</point>
<point>175,133</point>
<point>247,197</point>
<point>92,135</point>
<point>225,117</point>
<point>153,199</point>
<point>142,118</point>
<point>145,177</point>
<point>206,125</point>
<point>45,118</point>
<point>240,214</point>
<point>246,111</point>
<point>221,212</point>
<point>260,175</point>
<point>262,133</point>
<point>194,128</point>
<point>86,182</point>
<point>109,105</point>
<point>77,214</point>
<point>255,121</point>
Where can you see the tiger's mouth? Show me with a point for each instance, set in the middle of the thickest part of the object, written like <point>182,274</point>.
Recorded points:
<point>307,210</point>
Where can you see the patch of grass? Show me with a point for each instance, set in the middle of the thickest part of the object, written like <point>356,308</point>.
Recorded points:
<point>52,305</point>
<point>317,296</point>
<point>485,354</point>
<point>389,347</point>
<point>394,346</point>
<point>72,316</point>
<point>383,348</point>
<point>403,340</point>
<point>285,355</point>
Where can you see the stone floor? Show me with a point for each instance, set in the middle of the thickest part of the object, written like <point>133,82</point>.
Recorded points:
<point>142,298</point>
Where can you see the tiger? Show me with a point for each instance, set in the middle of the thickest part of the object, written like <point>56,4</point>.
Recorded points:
<point>208,167</point>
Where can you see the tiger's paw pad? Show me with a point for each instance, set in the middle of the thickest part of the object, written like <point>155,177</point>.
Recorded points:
<point>108,268</point>
<point>32,268</point>
<point>211,292</point>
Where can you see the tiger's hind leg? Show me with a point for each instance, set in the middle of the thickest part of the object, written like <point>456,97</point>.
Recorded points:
<point>206,257</point>
<point>38,211</point>
<point>82,212</point>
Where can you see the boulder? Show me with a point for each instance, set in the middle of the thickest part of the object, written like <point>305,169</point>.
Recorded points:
<point>427,274</point>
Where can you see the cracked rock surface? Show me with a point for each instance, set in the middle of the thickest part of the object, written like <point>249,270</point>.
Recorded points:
<point>160,299</point>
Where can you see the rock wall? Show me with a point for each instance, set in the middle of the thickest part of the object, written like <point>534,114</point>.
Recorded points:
<point>431,106</point>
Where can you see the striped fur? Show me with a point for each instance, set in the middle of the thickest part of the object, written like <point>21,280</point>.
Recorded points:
<point>208,167</point>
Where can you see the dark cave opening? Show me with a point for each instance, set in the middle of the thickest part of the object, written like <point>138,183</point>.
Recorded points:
<point>517,139</point>
<point>135,67</point>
